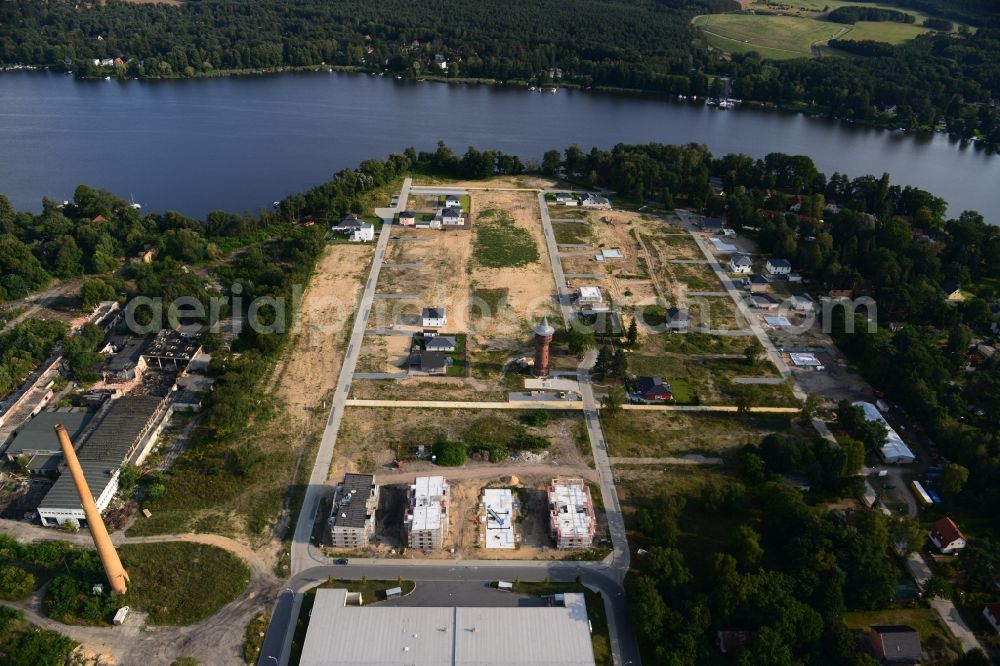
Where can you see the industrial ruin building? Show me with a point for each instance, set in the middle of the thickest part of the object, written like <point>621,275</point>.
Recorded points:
<point>352,520</point>
<point>426,518</point>
<point>572,522</point>
<point>127,429</point>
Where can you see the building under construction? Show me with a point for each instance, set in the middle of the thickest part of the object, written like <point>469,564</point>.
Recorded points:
<point>498,513</point>
<point>572,522</point>
<point>352,519</point>
<point>426,518</point>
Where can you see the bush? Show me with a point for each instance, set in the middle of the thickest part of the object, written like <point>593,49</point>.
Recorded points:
<point>450,454</point>
<point>16,583</point>
<point>537,418</point>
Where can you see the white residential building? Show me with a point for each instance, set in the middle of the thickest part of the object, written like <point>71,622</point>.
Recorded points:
<point>740,263</point>
<point>433,318</point>
<point>595,201</point>
<point>779,266</point>
<point>452,201</point>
<point>572,522</point>
<point>426,518</point>
<point>364,234</point>
<point>589,299</point>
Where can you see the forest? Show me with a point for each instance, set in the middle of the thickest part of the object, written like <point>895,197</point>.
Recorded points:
<point>626,44</point>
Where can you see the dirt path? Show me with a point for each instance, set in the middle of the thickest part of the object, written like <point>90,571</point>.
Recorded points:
<point>216,640</point>
<point>475,471</point>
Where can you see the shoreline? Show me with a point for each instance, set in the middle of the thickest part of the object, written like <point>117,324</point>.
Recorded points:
<point>806,110</point>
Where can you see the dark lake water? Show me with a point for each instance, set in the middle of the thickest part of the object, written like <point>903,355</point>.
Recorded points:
<point>240,143</point>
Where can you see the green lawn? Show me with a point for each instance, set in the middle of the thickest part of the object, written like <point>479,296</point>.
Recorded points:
<point>572,232</point>
<point>701,343</point>
<point>884,31</point>
<point>644,434</point>
<point>924,620</point>
<point>775,37</point>
<point>500,243</point>
<point>711,379</point>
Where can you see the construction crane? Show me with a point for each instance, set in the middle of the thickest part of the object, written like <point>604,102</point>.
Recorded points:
<point>497,519</point>
<point>117,576</point>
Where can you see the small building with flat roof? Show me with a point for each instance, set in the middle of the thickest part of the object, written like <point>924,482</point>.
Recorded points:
<point>352,519</point>
<point>498,516</point>
<point>376,635</point>
<point>426,517</point>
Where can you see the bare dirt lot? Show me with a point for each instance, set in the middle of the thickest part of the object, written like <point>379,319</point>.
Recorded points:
<point>372,438</point>
<point>440,280</point>
<point>530,287</point>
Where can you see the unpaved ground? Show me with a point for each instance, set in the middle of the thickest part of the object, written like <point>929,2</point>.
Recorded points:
<point>440,281</point>
<point>516,182</point>
<point>371,439</point>
<point>308,371</point>
<point>530,288</point>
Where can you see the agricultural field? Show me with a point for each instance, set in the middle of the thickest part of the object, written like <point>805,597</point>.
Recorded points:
<point>798,29</point>
<point>773,37</point>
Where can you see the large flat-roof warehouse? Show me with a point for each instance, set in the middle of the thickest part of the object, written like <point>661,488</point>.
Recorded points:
<point>341,635</point>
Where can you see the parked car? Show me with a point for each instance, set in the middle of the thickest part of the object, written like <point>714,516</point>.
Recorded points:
<point>340,560</point>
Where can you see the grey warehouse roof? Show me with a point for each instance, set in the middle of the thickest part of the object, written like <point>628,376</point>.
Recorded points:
<point>340,635</point>
<point>39,436</point>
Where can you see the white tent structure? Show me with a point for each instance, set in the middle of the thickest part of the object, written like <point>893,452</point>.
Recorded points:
<point>895,449</point>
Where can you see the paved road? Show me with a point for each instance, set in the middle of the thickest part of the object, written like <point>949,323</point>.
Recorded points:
<point>301,557</point>
<point>562,291</point>
<point>958,627</point>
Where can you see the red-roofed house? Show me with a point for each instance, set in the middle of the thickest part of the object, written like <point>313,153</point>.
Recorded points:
<point>100,218</point>
<point>946,536</point>
<point>992,614</point>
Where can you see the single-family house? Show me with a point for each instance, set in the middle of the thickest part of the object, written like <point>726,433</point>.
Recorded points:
<point>452,217</point>
<point>589,299</point>
<point>946,536</point>
<point>144,257</point>
<point>713,224</point>
<point>756,284</point>
<point>764,301</point>
<point>440,62</point>
<point>363,234</point>
<point>801,304</point>
<point>778,266</point>
<point>677,320</point>
<point>428,363</point>
<point>740,263</point>
<point>349,224</point>
<point>952,291</point>
<point>895,644</point>
<point>441,343</point>
<point>595,201</point>
<point>452,201</point>
<point>408,218</point>
<point>99,219</point>
<point>992,614</point>
<point>433,318</point>
<point>652,389</point>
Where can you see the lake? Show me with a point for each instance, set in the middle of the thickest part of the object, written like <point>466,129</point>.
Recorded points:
<point>240,143</point>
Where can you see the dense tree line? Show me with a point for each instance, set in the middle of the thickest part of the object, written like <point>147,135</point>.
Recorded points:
<point>769,565</point>
<point>634,44</point>
<point>25,346</point>
<point>852,14</point>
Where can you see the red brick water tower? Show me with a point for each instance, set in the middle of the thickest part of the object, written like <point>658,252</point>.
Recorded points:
<point>543,338</point>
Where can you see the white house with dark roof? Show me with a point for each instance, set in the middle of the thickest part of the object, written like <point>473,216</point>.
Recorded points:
<point>452,201</point>
<point>433,318</point>
<point>408,218</point>
<point>363,234</point>
<point>778,266</point>
<point>740,263</point>
<point>451,216</point>
<point>595,201</point>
